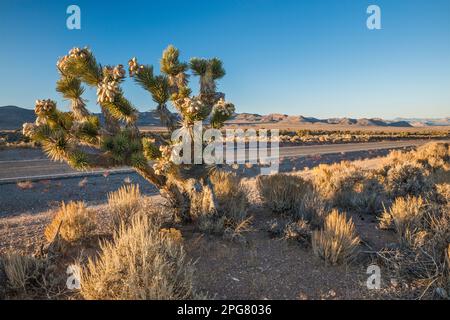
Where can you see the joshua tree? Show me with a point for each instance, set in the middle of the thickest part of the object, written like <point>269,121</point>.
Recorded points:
<point>79,138</point>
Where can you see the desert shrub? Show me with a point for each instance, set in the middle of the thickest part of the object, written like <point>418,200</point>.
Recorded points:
<point>404,216</point>
<point>348,187</point>
<point>29,277</point>
<point>311,209</point>
<point>283,193</point>
<point>124,204</point>
<point>424,230</point>
<point>440,176</point>
<point>74,221</point>
<point>142,262</point>
<point>433,155</point>
<point>337,241</point>
<point>231,195</point>
<point>408,178</point>
<point>441,193</point>
<point>231,214</point>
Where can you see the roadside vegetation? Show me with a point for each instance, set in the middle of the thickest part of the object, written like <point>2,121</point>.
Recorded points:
<point>135,248</point>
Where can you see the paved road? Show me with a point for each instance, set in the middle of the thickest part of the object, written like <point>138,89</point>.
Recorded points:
<point>43,193</point>
<point>14,168</point>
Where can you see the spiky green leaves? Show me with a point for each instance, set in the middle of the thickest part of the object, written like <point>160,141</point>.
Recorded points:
<point>159,89</point>
<point>144,77</point>
<point>78,160</point>
<point>200,67</point>
<point>123,147</point>
<point>151,151</point>
<point>158,86</point>
<point>170,63</point>
<point>81,64</point>
<point>88,130</point>
<point>69,87</point>
<point>138,160</point>
<point>121,109</point>
<point>56,145</point>
<point>209,70</point>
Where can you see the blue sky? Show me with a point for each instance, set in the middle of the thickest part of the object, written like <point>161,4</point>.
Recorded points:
<point>315,58</point>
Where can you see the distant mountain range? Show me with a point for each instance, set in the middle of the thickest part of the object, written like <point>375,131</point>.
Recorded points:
<point>251,118</point>
<point>12,117</point>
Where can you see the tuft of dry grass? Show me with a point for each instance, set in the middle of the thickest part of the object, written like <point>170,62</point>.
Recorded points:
<point>74,221</point>
<point>404,216</point>
<point>19,271</point>
<point>142,262</point>
<point>28,277</point>
<point>230,216</point>
<point>337,242</point>
<point>434,155</point>
<point>283,193</point>
<point>124,204</point>
<point>348,187</point>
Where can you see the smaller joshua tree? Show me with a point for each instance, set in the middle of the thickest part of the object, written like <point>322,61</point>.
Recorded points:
<point>79,138</point>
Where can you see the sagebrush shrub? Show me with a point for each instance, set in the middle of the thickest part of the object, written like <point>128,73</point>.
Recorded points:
<point>283,193</point>
<point>231,213</point>
<point>409,178</point>
<point>425,229</point>
<point>74,221</point>
<point>404,215</point>
<point>337,241</point>
<point>142,262</point>
<point>20,271</point>
<point>124,204</point>
<point>434,155</point>
<point>25,277</point>
<point>312,209</point>
<point>348,187</point>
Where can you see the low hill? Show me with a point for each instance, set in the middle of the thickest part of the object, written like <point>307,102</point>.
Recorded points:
<point>12,117</point>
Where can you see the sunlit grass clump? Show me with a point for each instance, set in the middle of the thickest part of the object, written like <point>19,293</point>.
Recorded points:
<point>142,262</point>
<point>337,242</point>
<point>72,222</point>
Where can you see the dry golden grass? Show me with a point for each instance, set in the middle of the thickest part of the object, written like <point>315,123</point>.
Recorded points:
<point>231,215</point>
<point>348,187</point>
<point>27,277</point>
<point>283,193</point>
<point>74,221</point>
<point>142,262</point>
<point>19,270</point>
<point>124,204</point>
<point>434,155</point>
<point>338,240</point>
<point>404,216</point>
